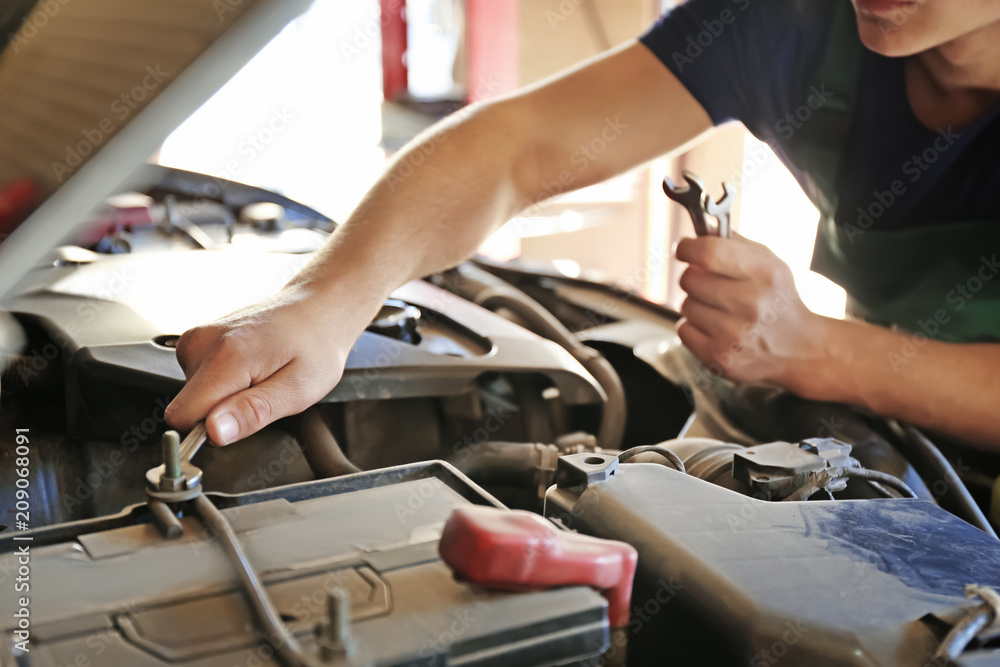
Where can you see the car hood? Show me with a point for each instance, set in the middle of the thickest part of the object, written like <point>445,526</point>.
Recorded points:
<point>90,89</point>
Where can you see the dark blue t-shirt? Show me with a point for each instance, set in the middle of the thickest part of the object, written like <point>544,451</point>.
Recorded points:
<point>759,62</point>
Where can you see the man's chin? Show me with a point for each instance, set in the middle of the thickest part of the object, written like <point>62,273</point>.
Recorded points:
<point>885,39</point>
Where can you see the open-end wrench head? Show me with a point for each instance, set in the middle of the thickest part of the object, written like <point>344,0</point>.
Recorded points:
<point>685,194</point>
<point>695,184</point>
<point>725,203</point>
<point>672,190</point>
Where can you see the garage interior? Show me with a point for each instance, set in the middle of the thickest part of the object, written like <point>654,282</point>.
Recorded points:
<point>520,461</point>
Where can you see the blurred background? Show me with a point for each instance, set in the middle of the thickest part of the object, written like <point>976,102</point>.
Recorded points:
<point>317,114</point>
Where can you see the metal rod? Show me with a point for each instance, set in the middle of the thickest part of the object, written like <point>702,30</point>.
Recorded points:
<point>269,622</point>
<point>165,520</point>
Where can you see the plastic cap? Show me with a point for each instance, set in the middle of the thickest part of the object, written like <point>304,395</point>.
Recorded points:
<point>516,550</point>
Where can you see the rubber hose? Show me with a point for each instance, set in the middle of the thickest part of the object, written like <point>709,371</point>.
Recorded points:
<point>322,450</point>
<point>956,492</point>
<point>544,323</point>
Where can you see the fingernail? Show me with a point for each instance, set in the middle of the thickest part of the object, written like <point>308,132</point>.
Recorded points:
<point>226,428</point>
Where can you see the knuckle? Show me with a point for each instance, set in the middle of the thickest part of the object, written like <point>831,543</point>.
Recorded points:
<point>686,307</point>
<point>232,344</point>
<point>174,415</point>
<point>257,411</point>
<point>683,249</point>
<point>193,345</point>
<point>728,338</point>
<point>686,281</point>
<point>716,253</point>
<point>769,275</point>
<point>184,347</point>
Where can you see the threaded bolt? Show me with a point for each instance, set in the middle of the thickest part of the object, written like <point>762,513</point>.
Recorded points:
<point>338,607</point>
<point>171,454</point>
<point>334,632</point>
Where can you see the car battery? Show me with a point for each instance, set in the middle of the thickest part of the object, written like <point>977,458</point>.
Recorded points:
<point>114,591</point>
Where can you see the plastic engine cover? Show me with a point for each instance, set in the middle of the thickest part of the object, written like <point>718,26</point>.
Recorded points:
<point>725,579</point>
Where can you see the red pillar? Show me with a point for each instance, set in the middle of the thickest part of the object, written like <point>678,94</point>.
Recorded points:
<point>394,75</point>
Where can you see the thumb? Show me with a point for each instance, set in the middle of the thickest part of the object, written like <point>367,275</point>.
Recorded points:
<point>248,411</point>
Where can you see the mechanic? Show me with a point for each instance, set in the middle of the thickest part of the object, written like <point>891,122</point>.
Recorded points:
<point>884,110</point>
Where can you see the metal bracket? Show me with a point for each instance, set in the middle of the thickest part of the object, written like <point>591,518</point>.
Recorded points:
<point>582,470</point>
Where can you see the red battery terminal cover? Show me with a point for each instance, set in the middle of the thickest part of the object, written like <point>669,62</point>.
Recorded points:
<point>520,551</point>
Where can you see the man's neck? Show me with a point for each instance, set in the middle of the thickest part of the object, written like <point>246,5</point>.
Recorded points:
<point>970,62</point>
<point>957,82</point>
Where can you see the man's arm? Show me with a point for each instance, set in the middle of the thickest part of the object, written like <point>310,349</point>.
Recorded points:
<point>437,201</point>
<point>744,318</point>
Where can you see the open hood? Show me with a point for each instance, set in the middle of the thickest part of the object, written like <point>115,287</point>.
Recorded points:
<point>89,90</point>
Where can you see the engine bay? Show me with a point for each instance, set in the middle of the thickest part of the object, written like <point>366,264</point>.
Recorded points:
<point>765,525</point>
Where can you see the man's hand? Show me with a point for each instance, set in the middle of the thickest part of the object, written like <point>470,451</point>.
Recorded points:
<point>743,317</point>
<point>262,363</point>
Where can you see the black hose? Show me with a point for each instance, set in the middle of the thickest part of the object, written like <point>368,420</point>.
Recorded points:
<point>487,290</point>
<point>17,374</point>
<point>963,632</point>
<point>508,463</point>
<point>544,323</point>
<point>675,460</point>
<point>286,647</point>
<point>882,478</point>
<point>960,501</point>
<point>322,450</point>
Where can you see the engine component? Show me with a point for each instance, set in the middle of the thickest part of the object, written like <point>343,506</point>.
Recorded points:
<point>981,619</point>
<point>726,579</point>
<point>670,456</point>
<point>398,320</point>
<point>321,448</point>
<point>489,291</point>
<point>518,551</point>
<point>783,471</point>
<point>263,215</point>
<point>115,592</point>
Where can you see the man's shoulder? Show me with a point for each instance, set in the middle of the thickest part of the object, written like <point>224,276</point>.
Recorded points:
<point>744,59</point>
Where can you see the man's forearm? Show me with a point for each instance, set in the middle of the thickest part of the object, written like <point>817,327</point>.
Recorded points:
<point>948,388</point>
